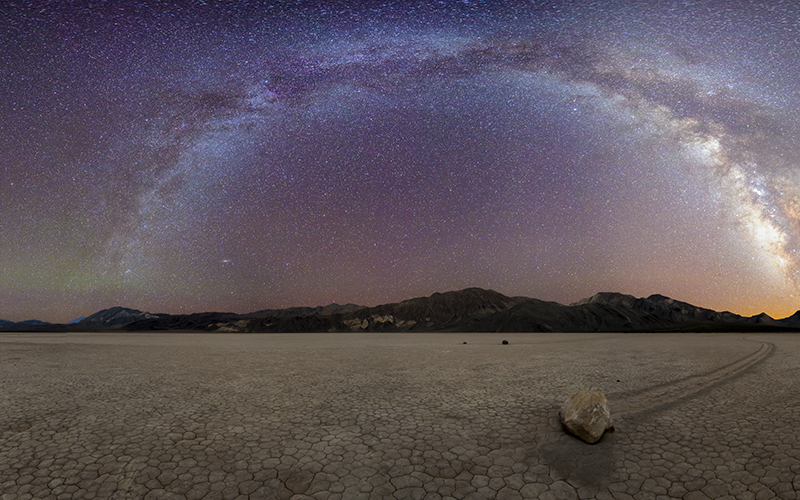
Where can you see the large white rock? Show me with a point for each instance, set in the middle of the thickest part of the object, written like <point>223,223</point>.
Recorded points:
<point>586,415</point>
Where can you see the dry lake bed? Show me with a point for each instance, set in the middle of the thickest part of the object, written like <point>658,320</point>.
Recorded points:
<point>341,416</point>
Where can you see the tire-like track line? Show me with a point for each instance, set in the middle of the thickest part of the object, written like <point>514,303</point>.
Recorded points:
<point>661,394</point>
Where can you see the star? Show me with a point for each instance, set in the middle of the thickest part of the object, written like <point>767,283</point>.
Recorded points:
<point>370,152</point>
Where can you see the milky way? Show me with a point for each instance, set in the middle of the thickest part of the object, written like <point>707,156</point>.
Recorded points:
<point>239,156</point>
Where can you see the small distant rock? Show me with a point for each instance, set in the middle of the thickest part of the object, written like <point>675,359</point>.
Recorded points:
<point>586,415</point>
<point>505,342</point>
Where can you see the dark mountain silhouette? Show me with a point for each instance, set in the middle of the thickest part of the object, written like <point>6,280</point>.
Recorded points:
<point>32,322</point>
<point>792,321</point>
<point>683,313</point>
<point>440,311</point>
<point>534,315</point>
<point>197,321</point>
<point>5,324</point>
<point>471,309</point>
<point>117,316</point>
<point>662,306</point>
<point>328,310</point>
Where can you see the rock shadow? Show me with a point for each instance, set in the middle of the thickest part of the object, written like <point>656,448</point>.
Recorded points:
<point>580,464</point>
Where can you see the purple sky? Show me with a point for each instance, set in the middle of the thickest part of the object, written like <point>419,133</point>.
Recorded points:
<point>239,156</point>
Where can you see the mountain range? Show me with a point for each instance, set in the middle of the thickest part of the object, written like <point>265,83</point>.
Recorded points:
<point>468,310</point>
<point>5,324</point>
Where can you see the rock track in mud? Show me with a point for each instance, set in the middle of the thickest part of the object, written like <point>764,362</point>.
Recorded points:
<point>666,393</point>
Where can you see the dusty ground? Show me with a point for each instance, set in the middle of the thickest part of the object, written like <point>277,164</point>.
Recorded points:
<point>333,416</point>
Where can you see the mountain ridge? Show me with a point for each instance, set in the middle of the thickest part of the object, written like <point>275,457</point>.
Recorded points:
<point>4,323</point>
<point>470,309</point>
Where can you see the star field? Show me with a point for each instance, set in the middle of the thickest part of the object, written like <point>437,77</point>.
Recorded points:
<point>237,156</point>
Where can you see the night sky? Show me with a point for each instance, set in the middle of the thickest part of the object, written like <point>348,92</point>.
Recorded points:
<point>234,156</point>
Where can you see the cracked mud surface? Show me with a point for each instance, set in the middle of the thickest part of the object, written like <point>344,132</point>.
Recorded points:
<point>333,416</point>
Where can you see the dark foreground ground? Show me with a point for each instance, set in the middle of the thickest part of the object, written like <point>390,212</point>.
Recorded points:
<point>340,416</point>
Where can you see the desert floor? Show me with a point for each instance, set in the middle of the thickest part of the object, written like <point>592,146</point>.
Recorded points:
<point>330,416</point>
